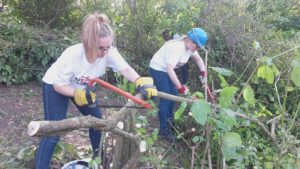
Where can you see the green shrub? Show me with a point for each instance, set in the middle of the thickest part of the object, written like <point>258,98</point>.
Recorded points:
<point>25,52</point>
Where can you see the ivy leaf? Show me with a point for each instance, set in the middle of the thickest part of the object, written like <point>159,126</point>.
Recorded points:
<point>226,96</point>
<point>296,73</point>
<point>266,73</point>
<point>200,110</point>
<point>232,139</point>
<point>248,95</point>
<point>180,111</point>
<point>222,71</point>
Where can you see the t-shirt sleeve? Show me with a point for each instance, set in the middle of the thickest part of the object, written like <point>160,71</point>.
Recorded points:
<point>64,66</point>
<point>116,61</point>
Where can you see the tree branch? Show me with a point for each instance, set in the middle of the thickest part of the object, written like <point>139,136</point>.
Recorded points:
<point>41,128</point>
<point>260,124</point>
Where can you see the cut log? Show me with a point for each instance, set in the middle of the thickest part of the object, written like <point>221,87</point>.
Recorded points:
<point>41,128</point>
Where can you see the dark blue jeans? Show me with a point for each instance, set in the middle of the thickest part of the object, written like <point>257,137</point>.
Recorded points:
<point>166,107</point>
<point>55,108</point>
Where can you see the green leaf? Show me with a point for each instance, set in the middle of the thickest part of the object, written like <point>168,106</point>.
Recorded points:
<point>180,111</point>
<point>275,70</point>
<point>269,61</point>
<point>222,71</point>
<point>198,95</point>
<point>223,81</point>
<point>221,125</point>
<point>198,139</point>
<point>229,122</point>
<point>26,154</point>
<point>93,163</point>
<point>226,96</point>
<point>266,73</point>
<point>256,45</point>
<point>268,165</point>
<point>290,89</point>
<point>296,73</point>
<point>229,118</point>
<point>232,139</point>
<point>228,112</point>
<point>229,152</point>
<point>248,95</point>
<point>131,87</point>
<point>200,109</point>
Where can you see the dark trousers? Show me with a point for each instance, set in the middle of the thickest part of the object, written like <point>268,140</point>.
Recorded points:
<point>55,108</point>
<point>166,107</point>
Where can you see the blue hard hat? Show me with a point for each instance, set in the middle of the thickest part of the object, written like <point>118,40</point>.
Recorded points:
<point>198,36</point>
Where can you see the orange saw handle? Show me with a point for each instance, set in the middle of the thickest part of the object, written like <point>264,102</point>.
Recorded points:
<point>121,92</point>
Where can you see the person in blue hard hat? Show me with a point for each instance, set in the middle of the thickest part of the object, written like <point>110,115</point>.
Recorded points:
<point>174,54</point>
<point>182,72</point>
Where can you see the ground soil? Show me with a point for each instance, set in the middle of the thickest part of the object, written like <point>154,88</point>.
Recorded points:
<point>20,104</point>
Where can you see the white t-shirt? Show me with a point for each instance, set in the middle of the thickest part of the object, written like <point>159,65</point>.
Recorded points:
<point>173,52</point>
<point>73,68</point>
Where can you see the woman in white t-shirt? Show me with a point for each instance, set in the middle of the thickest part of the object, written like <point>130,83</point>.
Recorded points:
<point>67,79</point>
<point>174,54</point>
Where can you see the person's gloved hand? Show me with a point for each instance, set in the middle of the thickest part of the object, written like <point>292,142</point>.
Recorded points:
<point>203,77</point>
<point>84,97</point>
<point>183,90</point>
<point>144,85</point>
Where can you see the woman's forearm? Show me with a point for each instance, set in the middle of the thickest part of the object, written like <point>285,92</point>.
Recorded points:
<point>173,76</point>
<point>200,63</point>
<point>66,90</point>
<point>130,74</point>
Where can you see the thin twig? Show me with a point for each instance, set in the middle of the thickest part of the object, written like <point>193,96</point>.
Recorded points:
<point>286,52</point>
<point>193,156</point>
<point>276,89</point>
<point>273,127</point>
<point>240,94</point>
<point>209,157</point>
<point>275,118</point>
<point>207,131</point>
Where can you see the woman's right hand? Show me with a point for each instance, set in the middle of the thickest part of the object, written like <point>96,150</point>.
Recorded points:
<point>183,90</point>
<point>84,97</point>
<point>144,85</point>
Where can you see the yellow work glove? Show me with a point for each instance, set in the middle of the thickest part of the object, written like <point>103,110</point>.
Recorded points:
<point>144,85</point>
<point>84,97</point>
